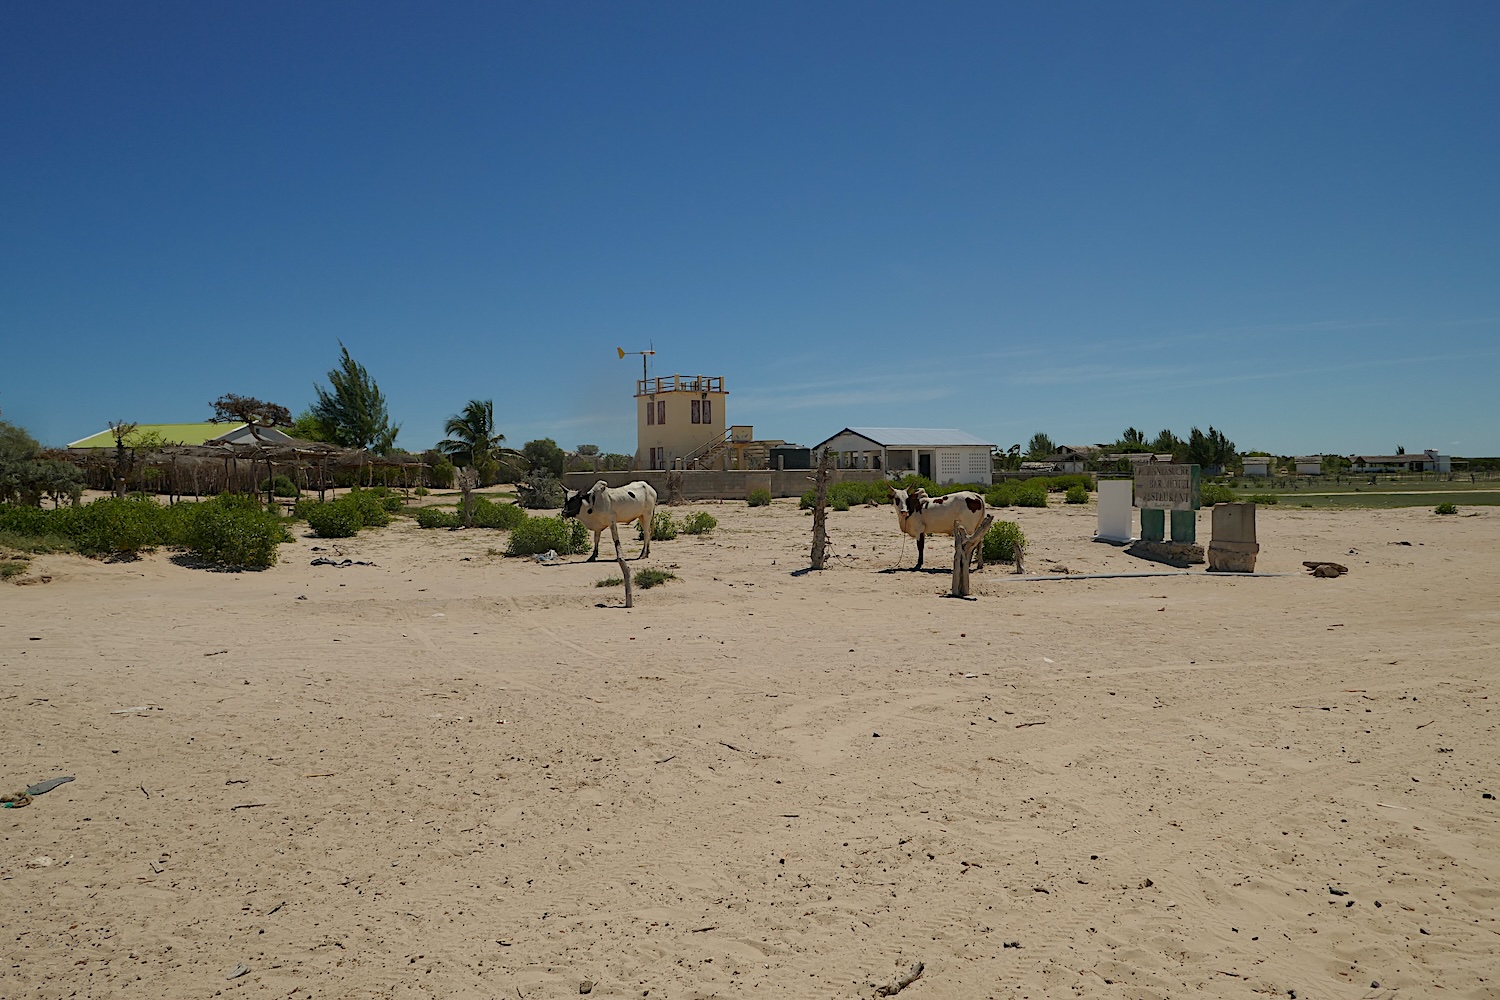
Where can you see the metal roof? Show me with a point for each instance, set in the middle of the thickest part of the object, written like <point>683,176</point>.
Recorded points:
<point>914,437</point>
<point>170,434</point>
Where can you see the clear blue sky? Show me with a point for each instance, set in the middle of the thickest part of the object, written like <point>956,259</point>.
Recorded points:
<point>1282,219</point>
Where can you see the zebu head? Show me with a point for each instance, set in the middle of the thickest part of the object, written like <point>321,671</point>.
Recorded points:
<point>573,502</point>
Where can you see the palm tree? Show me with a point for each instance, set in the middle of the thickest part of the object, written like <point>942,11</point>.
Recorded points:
<point>472,439</point>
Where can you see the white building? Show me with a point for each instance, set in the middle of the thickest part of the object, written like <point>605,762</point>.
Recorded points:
<point>1259,465</point>
<point>942,454</point>
<point>1426,461</point>
<point>1309,465</point>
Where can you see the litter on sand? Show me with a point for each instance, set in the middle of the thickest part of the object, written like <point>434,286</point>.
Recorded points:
<point>550,556</point>
<point>320,561</point>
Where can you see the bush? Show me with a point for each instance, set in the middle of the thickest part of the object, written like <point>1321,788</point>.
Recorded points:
<point>1077,494</point>
<point>1001,540</point>
<point>1264,498</point>
<point>437,517</point>
<point>648,578</point>
<point>1445,508</point>
<point>1062,484</point>
<point>699,523</point>
<point>539,534</point>
<point>117,526</point>
<point>1000,495</point>
<point>232,534</point>
<point>281,486</point>
<point>759,498</point>
<point>12,568</point>
<point>421,491</point>
<point>337,519</point>
<point>540,492</point>
<point>663,528</point>
<point>488,514</point>
<point>1215,493</point>
<point>375,505</point>
<point>840,503</point>
<point>610,581</point>
<point>1031,493</point>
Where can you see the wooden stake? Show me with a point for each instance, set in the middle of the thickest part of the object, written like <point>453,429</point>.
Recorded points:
<point>963,553</point>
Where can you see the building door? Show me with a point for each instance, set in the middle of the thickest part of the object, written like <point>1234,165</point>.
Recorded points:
<point>924,464</point>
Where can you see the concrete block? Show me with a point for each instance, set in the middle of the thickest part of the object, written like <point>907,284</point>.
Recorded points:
<point>1115,511</point>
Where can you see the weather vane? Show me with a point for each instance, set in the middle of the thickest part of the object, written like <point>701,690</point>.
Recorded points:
<point>622,352</point>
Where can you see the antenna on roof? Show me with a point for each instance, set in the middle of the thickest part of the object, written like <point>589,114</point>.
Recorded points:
<point>622,352</point>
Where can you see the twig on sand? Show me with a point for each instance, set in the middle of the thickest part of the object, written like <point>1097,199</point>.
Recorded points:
<point>730,746</point>
<point>700,930</point>
<point>247,805</point>
<point>896,986</point>
<point>1023,725</point>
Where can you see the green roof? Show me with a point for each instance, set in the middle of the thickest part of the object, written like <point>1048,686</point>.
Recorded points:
<point>169,433</point>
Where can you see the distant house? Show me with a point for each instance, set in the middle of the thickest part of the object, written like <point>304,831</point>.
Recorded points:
<point>190,434</point>
<point>1260,465</point>
<point>942,454</point>
<point>1427,461</point>
<point>1073,457</point>
<point>1309,465</point>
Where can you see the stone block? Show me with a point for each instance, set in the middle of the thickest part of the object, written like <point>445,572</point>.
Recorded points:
<point>1180,554</point>
<point>1234,522</point>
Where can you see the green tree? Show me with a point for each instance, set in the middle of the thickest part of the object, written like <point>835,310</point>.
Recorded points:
<point>1213,451</point>
<point>472,439</point>
<point>1040,446</point>
<point>307,427</point>
<point>1167,443</point>
<point>352,410</point>
<point>1132,441</point>
<point>26,477</point>
<point>544,455</point>
<point>249,410</point>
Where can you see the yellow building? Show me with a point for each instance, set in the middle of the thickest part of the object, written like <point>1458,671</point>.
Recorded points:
<point>680,421</point>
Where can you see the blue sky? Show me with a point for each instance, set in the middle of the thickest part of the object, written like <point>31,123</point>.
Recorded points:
<point>1281,219</point>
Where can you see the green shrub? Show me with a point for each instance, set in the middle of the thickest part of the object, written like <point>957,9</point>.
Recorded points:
<point>337,519</point>
<point>759,498</point>
<point>699,523</point>
<point>1000,495</point>
<point>488,514</point>
<point>539,534</point>
<point>232,534</point>
<point>421,491</point>
<point>1031,493</point>
<point>663,528</point>
<point>1264,498</point>
<point>1215,493</point>
<point>117,526</point>
<point>1077,494</point>
<point>540,492</point>
<point>281,486</point>
<point>648,578</point>
<point>808,502</point>
<point>1445,508</point>
<point>1001,540</point>
<point>840,503</point>
<point>12,568</point>
<point>374,505</point>
<point>437,517</point>
<point>610,581</point>
<point>1062,484</point>
<point>26,520</point>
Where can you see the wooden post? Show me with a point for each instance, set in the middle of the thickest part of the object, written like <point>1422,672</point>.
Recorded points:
<point>964,545</point>
<point>614,533</point>
<point>820,514</point>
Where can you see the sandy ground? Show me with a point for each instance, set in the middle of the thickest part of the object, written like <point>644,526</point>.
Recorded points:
<point>452,774</point>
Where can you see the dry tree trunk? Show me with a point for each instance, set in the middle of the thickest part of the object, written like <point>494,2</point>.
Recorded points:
<point>820,514</point>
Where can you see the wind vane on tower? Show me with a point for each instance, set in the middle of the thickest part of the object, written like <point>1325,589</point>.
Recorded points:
<point>622,352</point>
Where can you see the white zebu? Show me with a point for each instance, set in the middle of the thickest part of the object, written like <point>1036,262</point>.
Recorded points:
<point>921,515</point>
<point>603,507</point>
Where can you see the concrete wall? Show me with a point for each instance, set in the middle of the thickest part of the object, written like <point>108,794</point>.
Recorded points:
<point>700,484</point>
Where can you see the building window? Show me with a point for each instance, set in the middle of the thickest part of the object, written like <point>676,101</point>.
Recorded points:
<point>708,411</point>
<point>650,412</point>
<point>661,411</point>
<point>697,412</point>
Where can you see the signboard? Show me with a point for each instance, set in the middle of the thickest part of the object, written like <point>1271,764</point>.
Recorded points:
<point>1166,487</point>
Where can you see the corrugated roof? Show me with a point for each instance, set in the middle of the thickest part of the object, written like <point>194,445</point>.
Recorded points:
<point>170,434</point>
<point>915,437</point>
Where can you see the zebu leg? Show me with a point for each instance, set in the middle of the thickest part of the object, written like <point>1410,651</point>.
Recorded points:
<point>921,551</point>
<point>596,547</point>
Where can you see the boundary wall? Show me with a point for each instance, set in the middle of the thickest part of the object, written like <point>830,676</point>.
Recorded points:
<point>732,484</point>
